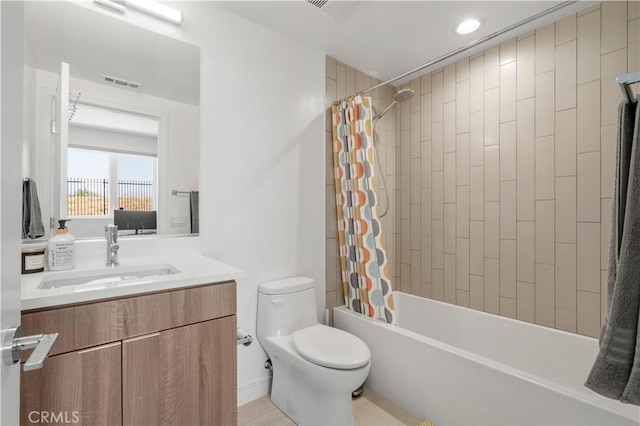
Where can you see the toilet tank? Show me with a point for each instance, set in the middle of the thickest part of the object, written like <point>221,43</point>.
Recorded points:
<point>285,306</point>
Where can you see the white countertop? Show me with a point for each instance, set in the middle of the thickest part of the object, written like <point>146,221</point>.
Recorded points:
<point>194,269</point>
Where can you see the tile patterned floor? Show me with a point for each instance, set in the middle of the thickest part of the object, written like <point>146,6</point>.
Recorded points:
<point>371,409</point>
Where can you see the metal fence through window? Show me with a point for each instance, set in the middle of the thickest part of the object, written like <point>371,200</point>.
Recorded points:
<point>90,197</point>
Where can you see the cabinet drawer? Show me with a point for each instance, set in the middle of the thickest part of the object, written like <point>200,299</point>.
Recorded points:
<point>94,324</point>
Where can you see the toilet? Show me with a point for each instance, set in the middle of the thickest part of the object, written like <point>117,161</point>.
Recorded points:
<point>315,367</point>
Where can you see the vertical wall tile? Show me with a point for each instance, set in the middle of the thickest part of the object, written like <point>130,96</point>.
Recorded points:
<point>544,102</point>
<point>508,202</point>
<point>405,283</point>
<point>425,211</point>
<point>633,10</point>
<point>437,244</point>
<point>476,292</point>
<point>462,264</point>
<point>508,307</point>
<point>633,42</point>
<point>525,129</point>
<point>588,257</point>
<point>525,191</point>
<point>525,68</point>
<point>492,229</point>
<point>566,29</point>
<point>415,134</point>
<point>589,47</point>
<point>589,187</point>
<point>425,165</point>
<point>566,277</point>
<point>450,278</point>
<point>544,165</point>
<point>545,43</point>
<point>608,136</point>
<point>450,127</point>
<point>462,211</point>
<point>437,206</point>
<point>476,248</point>
<point>437,97</point>
<point>425,84</point>
<point>476,84</point>
<point>508,91</point>
<point>438,284</point>
<point>437,146</point>
<point>492,67</point>
<point>545,295</point>
<point>491,173</point>
<point>508,151</point>
<point>492,286</point>
<point>425,117</point>
<point>507,52</point>
<point>588,117</point>
<point>476,193</point>
<point>526,302</point>
<point>415,181</point>
<point>545,241</point>
<point>462,159</point>
<point>415,101</point>
<point>588,313</point>
<point>341,81</point>
<point>462,298</point>
<point>525,251</point>
<point>508,264</point>
<point>462,106</point>
<point>614,26</point>
<point>492,116</point>
<point>405,152</point>
<point>425,259</point>
<point>331,67</point>
<point>416,274</point>
<point>565,142</point>
<point>415,226</point>
<point>449,83</point>
<point>405,241</point>
<point>566,76</point>
<point>450,228</point>
<point>450,177</point>
<point>566,209</point>
<point>566,320</point>
<point>405,198</point>
<point>476,139</point>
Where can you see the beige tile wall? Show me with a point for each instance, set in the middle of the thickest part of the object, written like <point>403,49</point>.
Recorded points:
<point>506,164</point>
<point>342,81</point>
<point>502,170</point>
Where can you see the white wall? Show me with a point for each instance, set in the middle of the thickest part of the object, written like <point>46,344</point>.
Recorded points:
<point>178,164</point>
<point>262,182</point>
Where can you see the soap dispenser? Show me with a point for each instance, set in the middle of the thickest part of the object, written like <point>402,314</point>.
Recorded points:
<point>61,249</point>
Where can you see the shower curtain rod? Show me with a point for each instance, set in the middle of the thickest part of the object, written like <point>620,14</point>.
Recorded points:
<point>465,47</point>
<point>625,81</point>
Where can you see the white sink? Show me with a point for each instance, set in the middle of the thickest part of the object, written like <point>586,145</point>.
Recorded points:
<point>106,277</point>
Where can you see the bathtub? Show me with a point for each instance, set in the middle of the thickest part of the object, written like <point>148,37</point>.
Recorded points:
<point>457,366</point>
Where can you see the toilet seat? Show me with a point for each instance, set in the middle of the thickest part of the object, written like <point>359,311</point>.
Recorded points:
<point>330,347</point>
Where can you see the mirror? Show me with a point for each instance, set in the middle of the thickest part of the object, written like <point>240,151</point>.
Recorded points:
<point>112,122</point>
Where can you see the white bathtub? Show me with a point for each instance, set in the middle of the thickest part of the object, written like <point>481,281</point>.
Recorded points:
<point>458,366</point>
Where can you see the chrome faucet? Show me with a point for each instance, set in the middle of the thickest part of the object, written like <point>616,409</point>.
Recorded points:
<point>111,232</point>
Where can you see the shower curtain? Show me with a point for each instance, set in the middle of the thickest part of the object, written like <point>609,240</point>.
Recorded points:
<point>616,371</point>
<point>363,260</point>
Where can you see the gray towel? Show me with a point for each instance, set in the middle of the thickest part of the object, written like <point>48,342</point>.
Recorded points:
<point>616,371</point>
<point>32,226</point>
<point>195,215</point>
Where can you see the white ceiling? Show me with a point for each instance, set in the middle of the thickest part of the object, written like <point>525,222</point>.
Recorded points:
<point>94,44</point>
<point>387,38</point>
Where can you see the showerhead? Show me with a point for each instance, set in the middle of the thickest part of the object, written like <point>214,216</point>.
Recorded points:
<point>404,95</point>
<point>401,96</point>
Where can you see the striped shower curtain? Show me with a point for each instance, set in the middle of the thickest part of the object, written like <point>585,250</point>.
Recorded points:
<point>363,260</point>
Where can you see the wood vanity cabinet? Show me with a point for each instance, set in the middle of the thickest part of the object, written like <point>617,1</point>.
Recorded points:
<point>166,358</point>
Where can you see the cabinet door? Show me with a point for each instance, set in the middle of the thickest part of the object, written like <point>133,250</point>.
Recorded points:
<point>182,376</point>
<point>82,387</point>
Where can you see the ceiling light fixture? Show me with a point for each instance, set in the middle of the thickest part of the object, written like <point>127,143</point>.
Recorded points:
<point>468,26</point>
<point>157,9</point>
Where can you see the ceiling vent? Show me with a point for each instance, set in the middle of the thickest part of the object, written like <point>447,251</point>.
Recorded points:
<point>337,9</point>
<point>121,82</point>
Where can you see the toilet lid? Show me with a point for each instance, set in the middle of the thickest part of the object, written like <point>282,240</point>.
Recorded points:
<point>331,347</point>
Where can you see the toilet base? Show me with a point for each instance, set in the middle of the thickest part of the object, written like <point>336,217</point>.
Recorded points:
<point>307,401</point>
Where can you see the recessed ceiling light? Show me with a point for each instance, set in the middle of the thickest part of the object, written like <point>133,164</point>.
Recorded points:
<point>468,26</point>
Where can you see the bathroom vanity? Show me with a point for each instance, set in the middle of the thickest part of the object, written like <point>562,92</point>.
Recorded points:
<point>159,350</point>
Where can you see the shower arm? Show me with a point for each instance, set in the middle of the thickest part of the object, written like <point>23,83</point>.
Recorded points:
<point>464,48</point>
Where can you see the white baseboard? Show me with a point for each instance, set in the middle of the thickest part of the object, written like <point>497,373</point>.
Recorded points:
<point>253,390</point>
